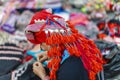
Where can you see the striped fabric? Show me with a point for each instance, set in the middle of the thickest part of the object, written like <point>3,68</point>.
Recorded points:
<point>52,4</point>
<point>10,57</point>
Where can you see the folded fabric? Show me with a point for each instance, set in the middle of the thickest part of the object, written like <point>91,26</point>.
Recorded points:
<point>9,25</point>
<point>10,57</point>
<point>23,20</point>
<point>112,56</point>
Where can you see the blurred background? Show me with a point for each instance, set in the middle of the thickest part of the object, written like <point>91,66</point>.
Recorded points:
<point>98,20</point>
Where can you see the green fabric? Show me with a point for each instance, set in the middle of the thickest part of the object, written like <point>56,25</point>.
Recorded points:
<point>3,37</point>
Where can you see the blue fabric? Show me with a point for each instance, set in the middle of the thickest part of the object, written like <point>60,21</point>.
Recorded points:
<point>65,56</point>
<point>33,54</point>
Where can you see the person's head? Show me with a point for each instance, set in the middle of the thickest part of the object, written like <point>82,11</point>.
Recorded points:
<point>42,24</point>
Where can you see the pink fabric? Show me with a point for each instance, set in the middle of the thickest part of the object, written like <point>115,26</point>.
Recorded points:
<point>78,18</point>
<point>9,58</point>
<point>13,75</point>
<point>10,52</point>
<point>117,40</point>
<point>34,27</point>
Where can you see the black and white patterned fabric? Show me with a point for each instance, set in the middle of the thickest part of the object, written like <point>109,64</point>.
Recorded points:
<point>18,73</point>
<point>24,72</point>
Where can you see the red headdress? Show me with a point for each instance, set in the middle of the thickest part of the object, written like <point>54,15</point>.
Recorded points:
<point>61,35</point>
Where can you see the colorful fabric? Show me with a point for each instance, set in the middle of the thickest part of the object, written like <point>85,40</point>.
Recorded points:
<point>9,26</point>
<point>110,28</point>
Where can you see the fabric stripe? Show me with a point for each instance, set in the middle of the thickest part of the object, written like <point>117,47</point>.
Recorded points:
<point>10,47</point>
<point>53,2</point>
<point>9,52</point>
<point>10,58</point>
<point>13,75</point>
<point>52,6</point>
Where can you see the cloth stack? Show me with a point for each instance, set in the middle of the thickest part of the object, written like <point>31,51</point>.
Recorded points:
<point>10,57</point>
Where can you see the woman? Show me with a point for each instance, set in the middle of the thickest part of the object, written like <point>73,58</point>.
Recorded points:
<point>71,55</point>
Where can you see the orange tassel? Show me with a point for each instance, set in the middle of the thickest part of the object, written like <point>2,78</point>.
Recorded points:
<point>92,75</point>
